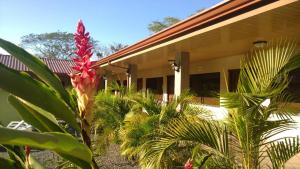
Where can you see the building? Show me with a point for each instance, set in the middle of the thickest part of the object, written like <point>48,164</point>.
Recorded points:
<point>199,52</point>
<point>60,67</point>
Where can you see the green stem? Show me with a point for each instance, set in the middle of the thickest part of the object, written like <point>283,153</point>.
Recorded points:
<point>85,127</point>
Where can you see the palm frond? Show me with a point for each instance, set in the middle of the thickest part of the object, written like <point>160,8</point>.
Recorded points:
<point>281,151</point>
<point>212,136</point>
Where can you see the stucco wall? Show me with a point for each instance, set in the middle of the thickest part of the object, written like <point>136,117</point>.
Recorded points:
<point>7,112</point>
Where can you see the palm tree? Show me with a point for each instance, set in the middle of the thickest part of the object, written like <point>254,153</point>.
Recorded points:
<point>246,138</point>
<point>145,122</point>
<point>109,112</point>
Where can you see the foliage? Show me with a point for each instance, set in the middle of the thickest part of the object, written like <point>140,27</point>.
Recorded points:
<point>41,102</point>
<point>109,49</point>
<point>247,138</point>
<point>144,124</point>
<point>109,113</point>
<point>51,45</point>
<point>157,26</point>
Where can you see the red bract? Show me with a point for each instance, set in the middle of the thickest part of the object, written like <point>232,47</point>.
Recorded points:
<point>85,80</point>
<point>188,164</point>
<point>27,151</point>
<point>86,76</point>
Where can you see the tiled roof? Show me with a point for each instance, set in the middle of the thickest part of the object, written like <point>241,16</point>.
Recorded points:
<point>56,65</point>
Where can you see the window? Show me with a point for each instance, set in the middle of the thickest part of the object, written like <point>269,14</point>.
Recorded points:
<point>124,82</point>
<point>233,78</point>
<point>102,84</point>
<point>170,87</point>
<point>139,85</point>
<point>155,85</point>
<point>205,85</point>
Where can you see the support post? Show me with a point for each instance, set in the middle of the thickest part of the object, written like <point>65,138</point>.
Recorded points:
<point>144,89</point>
<point>165,89</point>
<point>108,80</point>
<point>182,75</point>
<point>132,76</point>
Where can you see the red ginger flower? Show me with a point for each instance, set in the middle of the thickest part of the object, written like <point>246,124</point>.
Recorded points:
<point>27,153</point>
<point>188,164</point>
<point>85,81</point>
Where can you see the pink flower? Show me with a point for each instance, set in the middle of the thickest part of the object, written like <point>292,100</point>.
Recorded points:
<point>188,164</point>
<point>85,80</point>
<point>27,151</point>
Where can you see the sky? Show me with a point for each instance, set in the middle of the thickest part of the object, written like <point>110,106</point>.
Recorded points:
<point>108,21</point>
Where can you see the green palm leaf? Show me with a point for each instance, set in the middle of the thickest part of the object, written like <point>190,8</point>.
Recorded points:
<point>212,136</point>
<point>281,151</point>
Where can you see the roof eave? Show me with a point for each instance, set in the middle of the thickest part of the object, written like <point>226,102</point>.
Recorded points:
<point>212,15</point>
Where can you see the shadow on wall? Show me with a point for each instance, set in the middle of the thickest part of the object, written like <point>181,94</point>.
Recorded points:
<point>7,112</point>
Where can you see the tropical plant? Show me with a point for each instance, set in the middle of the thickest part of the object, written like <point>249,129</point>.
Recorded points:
<point>143,125</point>
<point>109,112</point>
<point>258,111</point>
<point>43,101</point>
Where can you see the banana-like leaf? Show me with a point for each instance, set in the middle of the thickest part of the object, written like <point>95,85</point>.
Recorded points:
<point>34,164</point>
<point>37,66</point>
<point>7,163</point>
<point>37,93</point>
<point>78,162</point>
<point>16,153</point>
<point>61,143</point>
<point>40,119</point>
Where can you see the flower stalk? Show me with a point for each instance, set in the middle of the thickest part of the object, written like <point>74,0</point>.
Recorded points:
<point>85,81</point>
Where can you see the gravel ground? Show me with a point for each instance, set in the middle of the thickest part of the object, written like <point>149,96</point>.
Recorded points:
<point>111,160</point>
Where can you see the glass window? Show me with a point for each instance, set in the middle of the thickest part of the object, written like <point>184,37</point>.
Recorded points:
<point>233,78</point>
<point>139,85</point>
<point>205,85</point>
<point>155,85</point>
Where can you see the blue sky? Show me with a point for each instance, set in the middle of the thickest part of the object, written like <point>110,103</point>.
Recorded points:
<point>108,21</point>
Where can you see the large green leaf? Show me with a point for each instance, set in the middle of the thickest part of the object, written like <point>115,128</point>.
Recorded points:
<point>35,116</point>
<point>37,66</point>
<point>37,93</point>
<point>78,162</point>
<point>59,142</point>
<point>7,163</point>
<point>34,164</point>
<point>16,153</point>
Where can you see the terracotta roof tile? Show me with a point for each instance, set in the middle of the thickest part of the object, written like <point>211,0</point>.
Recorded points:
<point>56,65</point>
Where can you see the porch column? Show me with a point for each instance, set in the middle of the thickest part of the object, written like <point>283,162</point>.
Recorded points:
<point>144,89</point>
<point>182,75</point>
<point>108,79</point>
<point>165,89</point>
<point>132,76</point>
